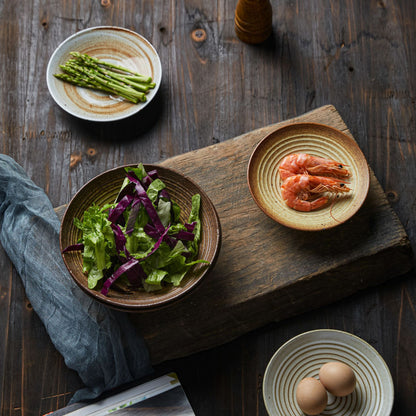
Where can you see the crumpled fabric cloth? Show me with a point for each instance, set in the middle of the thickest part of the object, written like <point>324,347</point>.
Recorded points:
<point>99,343</point>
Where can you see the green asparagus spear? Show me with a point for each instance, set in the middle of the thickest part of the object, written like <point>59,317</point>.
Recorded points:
<point>86,57</point>
<point>88,72</point>
<point>81,82</point>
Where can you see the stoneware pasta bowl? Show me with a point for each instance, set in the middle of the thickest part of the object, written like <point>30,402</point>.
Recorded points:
<point>318,140</point>
<point>104,189</point>
<point>115,45</point>
<point>303,355</point>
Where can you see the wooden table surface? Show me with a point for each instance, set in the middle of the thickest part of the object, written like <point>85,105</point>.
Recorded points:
<point>358,56</point>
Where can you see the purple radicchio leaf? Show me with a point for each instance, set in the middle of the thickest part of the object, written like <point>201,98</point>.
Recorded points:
<point>190,227</point>
<point>130,264</point>
<point>134,211</point>
<point>122,269</point>
<point>114,213</point>
<point>147,203</point>
<point>184,236</point>
<point>119,238</point>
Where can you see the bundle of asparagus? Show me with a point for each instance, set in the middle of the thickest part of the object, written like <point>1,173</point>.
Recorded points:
<point>89,72</point>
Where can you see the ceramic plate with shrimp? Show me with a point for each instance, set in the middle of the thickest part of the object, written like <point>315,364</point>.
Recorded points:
<point>308,176</point>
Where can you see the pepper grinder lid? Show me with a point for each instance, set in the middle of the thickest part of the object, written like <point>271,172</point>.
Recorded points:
<point>253,20</point>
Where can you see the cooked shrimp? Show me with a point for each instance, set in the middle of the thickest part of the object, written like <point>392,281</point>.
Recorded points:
<point>305,192</point>
<point>298,163</point>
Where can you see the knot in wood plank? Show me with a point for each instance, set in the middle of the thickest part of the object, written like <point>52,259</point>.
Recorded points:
<point>392,196</point>
<point>199,35</point>
<point>91,152</point>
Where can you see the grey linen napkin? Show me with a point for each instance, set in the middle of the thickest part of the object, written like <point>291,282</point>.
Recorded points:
<point>97,342</point>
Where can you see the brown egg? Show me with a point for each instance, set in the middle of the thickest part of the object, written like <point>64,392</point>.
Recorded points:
<point>311,396</point>
<point>338,378</point>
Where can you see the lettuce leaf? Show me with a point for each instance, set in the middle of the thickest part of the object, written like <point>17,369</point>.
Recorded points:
<point>99,243</point>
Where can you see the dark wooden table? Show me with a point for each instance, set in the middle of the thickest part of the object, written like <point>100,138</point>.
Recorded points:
<point>358,56</point>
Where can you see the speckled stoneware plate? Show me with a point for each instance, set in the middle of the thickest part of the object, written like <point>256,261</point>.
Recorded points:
<point>303,356</point>
<point>317,140</point>
<point>105,188</point>
<point>112,44</point>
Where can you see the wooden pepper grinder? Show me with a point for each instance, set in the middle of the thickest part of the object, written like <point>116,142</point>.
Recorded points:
<point>253,20</point>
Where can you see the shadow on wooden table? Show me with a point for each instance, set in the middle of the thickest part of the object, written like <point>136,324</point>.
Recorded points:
<point>127,129</point>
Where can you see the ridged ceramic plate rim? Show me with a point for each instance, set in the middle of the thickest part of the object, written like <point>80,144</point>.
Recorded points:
<point>303,355</point>
<point>114,44</point>
<point>318,140</point>
<point>104,188</point>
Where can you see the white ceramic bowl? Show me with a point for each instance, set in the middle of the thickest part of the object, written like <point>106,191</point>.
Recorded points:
<point>303,355</point>
<point>112,44</point>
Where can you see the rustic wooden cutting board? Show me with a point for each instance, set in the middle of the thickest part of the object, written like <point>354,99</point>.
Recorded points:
<point>266,272</point>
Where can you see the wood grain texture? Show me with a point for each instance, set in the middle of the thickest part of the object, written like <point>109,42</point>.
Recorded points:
<point>358,56</point>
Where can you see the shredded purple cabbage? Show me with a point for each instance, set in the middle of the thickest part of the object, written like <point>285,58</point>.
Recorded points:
<point>114,213</point>
<point>153,174</point>
<point>146,181</point>
<point>151,231</point>
<point>134,212</point>
<point>190,227</point>
<point>136,275</point>
<point>119,238</point>
<point>184,235</point>
<point>130,264</point>
<point>158,242</point>
<point>122,269</point>
<point>164,194</point>
<point>147,203</point>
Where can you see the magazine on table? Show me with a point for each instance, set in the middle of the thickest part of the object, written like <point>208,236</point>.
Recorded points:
<point>163,395</point>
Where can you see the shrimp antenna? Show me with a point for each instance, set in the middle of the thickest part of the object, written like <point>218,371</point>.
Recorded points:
<point>330,208</point>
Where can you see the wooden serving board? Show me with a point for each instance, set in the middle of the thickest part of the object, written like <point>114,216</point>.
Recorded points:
<point>266,272</point>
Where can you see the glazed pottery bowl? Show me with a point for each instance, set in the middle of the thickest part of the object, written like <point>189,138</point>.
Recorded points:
<point>117,46</point>
<point>104,189</point>
<point>303,356</point>
<point>318,140</point>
